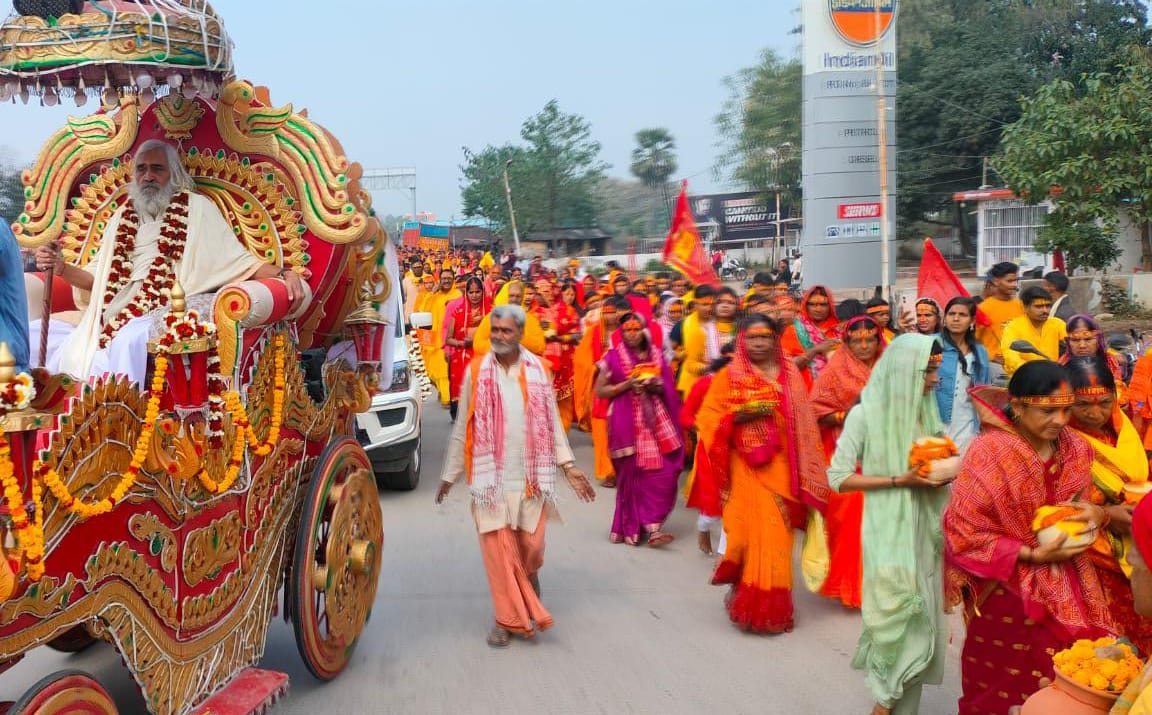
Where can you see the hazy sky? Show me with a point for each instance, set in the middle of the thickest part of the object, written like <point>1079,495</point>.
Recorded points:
<point>408,83</point>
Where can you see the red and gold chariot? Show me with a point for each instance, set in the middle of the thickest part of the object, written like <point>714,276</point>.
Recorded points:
<point>176,519</point>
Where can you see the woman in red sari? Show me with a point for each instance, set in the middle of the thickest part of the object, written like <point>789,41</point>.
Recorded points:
<point>813,335</point>
<point>1024,601</point>
<point>757,424</point>
<point>460,327</point>
<point>835,392</point>
<point>562,327</point>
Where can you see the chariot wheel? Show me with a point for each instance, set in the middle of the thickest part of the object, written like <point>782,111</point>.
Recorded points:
<point>337,560</point>
<point>65,692</point>
<point>73,640</point>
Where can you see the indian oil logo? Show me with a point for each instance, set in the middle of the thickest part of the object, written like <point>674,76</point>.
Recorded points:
<point>862,22</point>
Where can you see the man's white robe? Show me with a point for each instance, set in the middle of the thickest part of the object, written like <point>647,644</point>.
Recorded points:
<point>213,257</point>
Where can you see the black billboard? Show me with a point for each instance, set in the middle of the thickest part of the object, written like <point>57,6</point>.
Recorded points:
<point>743,216</point>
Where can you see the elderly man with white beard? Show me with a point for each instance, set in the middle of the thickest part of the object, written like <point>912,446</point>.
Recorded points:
<point>511,445</point>
<point>164,231</point>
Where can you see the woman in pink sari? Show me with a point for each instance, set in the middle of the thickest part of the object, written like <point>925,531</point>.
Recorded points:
<point>644,437</point>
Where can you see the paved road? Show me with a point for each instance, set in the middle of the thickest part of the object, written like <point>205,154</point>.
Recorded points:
<point>637,630</point>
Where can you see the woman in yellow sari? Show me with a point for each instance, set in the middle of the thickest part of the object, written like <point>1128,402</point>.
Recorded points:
<point>437,305</point>
<point>1119,474</point>
<point>434,360</point>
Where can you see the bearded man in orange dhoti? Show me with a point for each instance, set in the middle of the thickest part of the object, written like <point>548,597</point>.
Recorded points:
<point>510,445</point>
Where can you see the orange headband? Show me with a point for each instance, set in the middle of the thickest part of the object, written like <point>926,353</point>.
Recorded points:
<point>760,331</point>
<point>1093,391</point>
<point>1060,399</point>
<point>1083,333</point>
<point>633,324</point>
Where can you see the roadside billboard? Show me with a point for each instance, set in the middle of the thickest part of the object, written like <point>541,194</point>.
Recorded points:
<point>742,216</point>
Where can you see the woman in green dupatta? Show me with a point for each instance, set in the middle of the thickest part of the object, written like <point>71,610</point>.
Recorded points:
<point>905,633</point>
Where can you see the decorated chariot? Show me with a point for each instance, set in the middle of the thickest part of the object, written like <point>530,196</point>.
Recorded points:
<point>174,520</point>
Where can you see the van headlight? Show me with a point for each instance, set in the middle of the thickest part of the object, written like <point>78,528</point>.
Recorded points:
<point>400,376</point>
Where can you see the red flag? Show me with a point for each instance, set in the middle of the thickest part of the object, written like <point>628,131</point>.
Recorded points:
<point>938,282</point>
<point>683,249</point>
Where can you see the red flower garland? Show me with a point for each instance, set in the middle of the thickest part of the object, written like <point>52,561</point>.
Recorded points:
<point>173,236</point>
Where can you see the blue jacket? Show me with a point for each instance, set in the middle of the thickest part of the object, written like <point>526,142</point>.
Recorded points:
<point>947,387</point>
<point>13,300</point>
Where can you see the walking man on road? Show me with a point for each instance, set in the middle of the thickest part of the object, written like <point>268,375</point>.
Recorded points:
<point>511,445</point>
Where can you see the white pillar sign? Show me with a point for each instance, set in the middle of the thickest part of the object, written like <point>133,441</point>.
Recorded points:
<point>849,47</point>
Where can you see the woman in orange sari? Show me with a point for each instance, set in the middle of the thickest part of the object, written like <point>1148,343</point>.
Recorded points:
<point>1119,474</point>
<point>836,391</point>
<point>595,342</point>
<point>813,335</point>
<point>755,423</point>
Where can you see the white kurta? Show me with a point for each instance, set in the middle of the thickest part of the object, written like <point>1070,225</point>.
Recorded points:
<point>519,512</point>
<point>213,257</point>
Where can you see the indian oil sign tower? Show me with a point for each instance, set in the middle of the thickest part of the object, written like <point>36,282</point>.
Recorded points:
<point>849,136</point>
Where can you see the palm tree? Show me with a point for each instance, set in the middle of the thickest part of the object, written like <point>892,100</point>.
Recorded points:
<point>653,161</point>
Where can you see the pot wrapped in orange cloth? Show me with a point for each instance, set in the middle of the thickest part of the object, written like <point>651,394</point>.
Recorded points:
<point>1052,521</point>
<point>645,371</point>
<point>935,458</point>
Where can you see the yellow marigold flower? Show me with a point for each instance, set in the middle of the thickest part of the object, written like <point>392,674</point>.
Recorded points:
<point>1099,682</point>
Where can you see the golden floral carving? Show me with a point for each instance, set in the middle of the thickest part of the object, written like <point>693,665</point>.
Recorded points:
<point>161,541</point>
<point>81,144</point>
<point>178,116</point>
<point>50,595</point>
<point>120,562</point>
<point>208,550</point>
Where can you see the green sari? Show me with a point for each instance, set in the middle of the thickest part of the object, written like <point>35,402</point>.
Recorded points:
<point>904,638</point>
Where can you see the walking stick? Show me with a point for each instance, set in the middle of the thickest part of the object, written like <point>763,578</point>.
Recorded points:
<point>46,313</point>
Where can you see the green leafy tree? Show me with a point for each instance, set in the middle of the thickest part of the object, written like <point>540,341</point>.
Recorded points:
<point>1085,245</point>
<point>1090,141</point>
<point>653,163</point>
<point>553,175</point>
<point>565,162</point>
<point>760,124</point>
<point>11,187</point>
<point>963,68</point>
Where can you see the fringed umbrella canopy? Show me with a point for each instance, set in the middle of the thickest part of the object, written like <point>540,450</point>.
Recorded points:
<point>55,50</point>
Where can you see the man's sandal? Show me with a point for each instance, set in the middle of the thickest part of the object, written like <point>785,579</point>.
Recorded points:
<point>499,638</point>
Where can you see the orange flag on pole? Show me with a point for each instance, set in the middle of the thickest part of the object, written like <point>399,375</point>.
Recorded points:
<point>683,249</point>
<point>938,281</point>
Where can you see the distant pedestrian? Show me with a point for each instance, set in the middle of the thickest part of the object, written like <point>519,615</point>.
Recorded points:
<point>1056,283</point>
<point>511,445</point>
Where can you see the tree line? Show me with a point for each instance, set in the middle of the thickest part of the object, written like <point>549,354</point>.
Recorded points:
<point>1025,94</point>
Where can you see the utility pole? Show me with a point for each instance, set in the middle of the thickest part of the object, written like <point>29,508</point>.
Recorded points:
<point>511,211</point>
<point>882,132</point>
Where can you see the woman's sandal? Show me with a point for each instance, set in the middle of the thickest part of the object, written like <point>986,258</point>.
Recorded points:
<point>659,538</point>
<point>609,483</point>
<point>499,638</point>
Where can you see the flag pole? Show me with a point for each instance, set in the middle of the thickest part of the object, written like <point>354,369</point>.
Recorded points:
<point>882,134</point>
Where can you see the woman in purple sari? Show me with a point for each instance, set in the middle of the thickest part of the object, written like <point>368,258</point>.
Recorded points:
<point>644,438</point>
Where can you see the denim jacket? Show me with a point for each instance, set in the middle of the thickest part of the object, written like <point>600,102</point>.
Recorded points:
<point>947,387</point>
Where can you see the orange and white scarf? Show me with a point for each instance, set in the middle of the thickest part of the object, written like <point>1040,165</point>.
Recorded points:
<point>484,444</point>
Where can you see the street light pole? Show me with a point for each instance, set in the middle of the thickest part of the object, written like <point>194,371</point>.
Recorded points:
<point>776,158</point>
<point>511,211</point>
